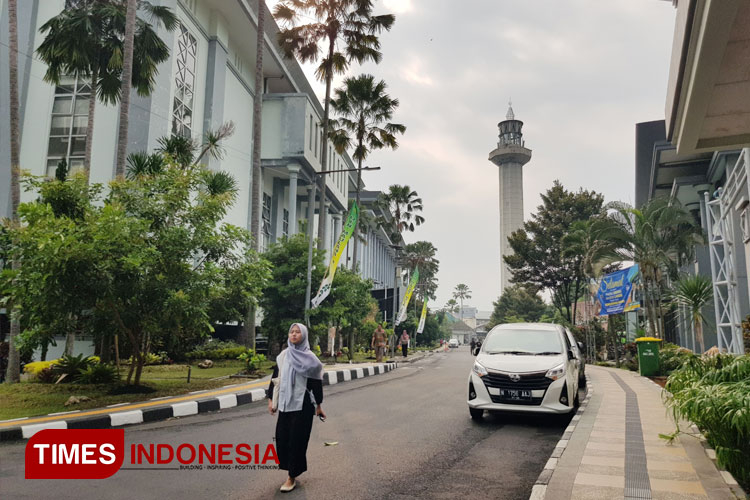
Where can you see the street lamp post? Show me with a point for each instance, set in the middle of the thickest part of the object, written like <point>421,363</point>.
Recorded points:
<point>310,217</point>
<point>396,249</point>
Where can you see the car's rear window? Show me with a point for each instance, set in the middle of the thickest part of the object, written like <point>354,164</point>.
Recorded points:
<point>522,341</point>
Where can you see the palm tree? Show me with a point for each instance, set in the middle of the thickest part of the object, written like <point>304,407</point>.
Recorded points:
<point>660,237</point>
<point>422,254</point>
<point>85,40</point>
<point>693,293</point>
<point>462,292</point>
<point>14,362</point>
<point>402,203</point>
<point>127,72</point>
<point>348,31</point>
<point>247,336</point>
<point>365,110</point>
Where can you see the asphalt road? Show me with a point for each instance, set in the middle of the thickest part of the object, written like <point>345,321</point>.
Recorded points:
<point>405,434</point>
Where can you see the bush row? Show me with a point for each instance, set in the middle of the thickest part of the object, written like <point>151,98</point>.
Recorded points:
<point>713,392</point>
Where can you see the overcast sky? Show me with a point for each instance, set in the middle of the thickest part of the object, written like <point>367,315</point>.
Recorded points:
<point>580,73</point>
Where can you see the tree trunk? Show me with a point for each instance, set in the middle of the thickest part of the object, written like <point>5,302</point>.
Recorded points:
<point>90,124</point>
<point>70,339</point>
<point>351,343</point>
<point>127,76</point>
<point>45,348</point>
<point>247,336</point>
<point>356,226</point>
<point>699,332</point>
<point>14,361</point>
<point>323,212</point>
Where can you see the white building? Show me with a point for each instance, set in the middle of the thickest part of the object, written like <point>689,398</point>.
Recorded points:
<point>208,80</point>
<point>510,156</point>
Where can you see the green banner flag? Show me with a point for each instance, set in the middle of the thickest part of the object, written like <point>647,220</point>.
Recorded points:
<point>422,318</point>
<point>407,296</point>
<point>338,250</point>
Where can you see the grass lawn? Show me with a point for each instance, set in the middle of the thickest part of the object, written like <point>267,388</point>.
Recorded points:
<point>29,399</point>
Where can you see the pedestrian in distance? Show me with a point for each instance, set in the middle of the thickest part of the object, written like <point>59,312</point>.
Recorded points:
<point>473,344</point>
<point>379,340</point>
<point>296,393</point>
<point>404,343</point>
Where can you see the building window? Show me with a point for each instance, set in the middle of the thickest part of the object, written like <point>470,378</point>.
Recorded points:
<point>266,221</point>
<point>67,135</point>
<point>182,113</point>
<point>285,223</point>
<point>745,224</point>
<point>316,142</point>
<point>311,133</point>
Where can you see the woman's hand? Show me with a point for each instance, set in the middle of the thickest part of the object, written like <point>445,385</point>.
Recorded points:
<point>270,407</point>
<point>319,411</point>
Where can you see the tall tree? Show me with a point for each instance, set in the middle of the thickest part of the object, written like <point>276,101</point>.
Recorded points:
<point>364,111</point>
<point>256,184</point>
<point>402,203</point>
<point>13,371</point>
<point>422,254</point>
<point>451,306</point>
<point>348,31</point>
<point>518,303</point>
<point>660,237</point>
<point>538,258</point>
<point>462,292</point>
<point>86,40</point>
<point>127,72</point>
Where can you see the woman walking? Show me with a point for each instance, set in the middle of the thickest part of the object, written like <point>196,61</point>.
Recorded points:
<point>297,379</point>
<point>404,343</point>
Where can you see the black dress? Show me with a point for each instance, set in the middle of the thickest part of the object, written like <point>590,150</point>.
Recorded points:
<point>293,428</point>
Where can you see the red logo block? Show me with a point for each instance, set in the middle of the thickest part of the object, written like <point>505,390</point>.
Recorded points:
<point>75,453</point>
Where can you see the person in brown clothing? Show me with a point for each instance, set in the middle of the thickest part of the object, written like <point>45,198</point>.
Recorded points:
<point>378,343</point>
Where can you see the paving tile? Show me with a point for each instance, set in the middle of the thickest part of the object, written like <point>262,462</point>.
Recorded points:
<point>616,481</point>
<point>605,453</point>
<point>673,451</point>
<point>602,470</point>
<point>585,492</point>
<point>684,466</point>
<point>595,445</point>
<point>676,475</point>
<point>670,495</point>
<point>605,461</point>
<point>685,487</point>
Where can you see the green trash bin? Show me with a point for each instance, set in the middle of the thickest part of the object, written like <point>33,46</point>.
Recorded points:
<point>648,355</point>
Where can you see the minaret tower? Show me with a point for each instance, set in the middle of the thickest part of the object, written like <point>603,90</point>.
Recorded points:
<point>510,156</point>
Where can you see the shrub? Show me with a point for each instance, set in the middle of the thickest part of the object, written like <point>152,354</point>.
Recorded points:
<point>316,350</point>
<point>71,366</point>
<point>252,360</point>
<point>672,357</point>
<point>217,350</point>
<point>97,373</point>
<point>46,375</point>
<point>37,366</point>
<point>713,392</point>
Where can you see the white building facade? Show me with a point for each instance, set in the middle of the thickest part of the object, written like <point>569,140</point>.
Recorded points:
<point>207,81</point>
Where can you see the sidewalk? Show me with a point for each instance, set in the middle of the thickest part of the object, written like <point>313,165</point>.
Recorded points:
<point>175,406</point>
<point>612,449</point>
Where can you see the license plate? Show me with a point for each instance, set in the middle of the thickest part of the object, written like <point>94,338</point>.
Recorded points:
<point>515,394</point>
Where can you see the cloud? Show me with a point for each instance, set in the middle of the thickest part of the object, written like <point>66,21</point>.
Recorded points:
<point>581,73</point>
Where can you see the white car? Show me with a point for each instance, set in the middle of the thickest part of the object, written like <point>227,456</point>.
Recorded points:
<point>453,343</point>
<point>525,367</point>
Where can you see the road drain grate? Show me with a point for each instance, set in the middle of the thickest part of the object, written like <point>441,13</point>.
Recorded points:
<point>637,484</point>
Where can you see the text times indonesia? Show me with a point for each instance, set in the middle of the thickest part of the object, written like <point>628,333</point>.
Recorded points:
<point>100,453</point>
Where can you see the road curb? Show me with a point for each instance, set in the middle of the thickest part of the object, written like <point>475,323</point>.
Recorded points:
<point>181,409</point>
<point>539,490</point>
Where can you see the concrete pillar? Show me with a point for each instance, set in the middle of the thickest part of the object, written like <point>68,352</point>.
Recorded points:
<point>213,107</point>
<point>293,172</point>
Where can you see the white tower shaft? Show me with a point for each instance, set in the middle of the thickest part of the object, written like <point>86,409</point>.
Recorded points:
<point>511,212</point>
<point>510,157</point>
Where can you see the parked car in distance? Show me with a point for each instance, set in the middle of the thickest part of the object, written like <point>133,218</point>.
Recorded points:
<point>453,343</point>
<point>525,367</point>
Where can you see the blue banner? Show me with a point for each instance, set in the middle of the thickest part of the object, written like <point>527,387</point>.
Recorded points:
<point>615,292</point>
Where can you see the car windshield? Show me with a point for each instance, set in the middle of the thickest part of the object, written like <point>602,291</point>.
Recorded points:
<point>520,342</point>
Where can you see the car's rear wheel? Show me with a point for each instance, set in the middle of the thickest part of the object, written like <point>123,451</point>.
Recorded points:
<point>476,413</point>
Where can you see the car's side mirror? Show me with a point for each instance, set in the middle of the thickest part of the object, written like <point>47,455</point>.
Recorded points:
<point>570,354</point>
<point>580,346</point>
